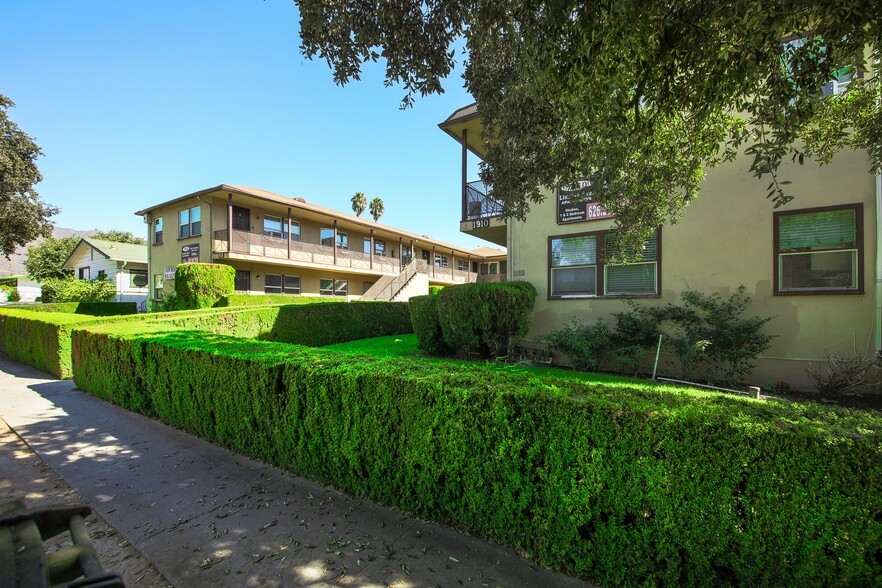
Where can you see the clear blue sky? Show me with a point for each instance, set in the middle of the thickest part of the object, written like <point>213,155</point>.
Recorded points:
<point>135,102</point>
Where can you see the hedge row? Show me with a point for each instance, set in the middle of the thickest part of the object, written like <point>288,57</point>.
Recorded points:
<point>42,340</point>
<point>647,485</point>
<point>88,308</point>
<point>271,300</point>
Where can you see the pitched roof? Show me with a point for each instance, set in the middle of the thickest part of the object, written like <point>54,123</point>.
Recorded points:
<point>128,252</point>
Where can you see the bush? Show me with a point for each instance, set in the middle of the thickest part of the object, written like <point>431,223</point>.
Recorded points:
<point>71,289</point>
<point>271,299</point>
<point>40,340</point>
<point>317,325</point>
<point>9,293</point>
<point>424,317</point>
<point>843,374</point>
<point>587,346</point>
<point>201,285</point>
<point>619,484</point>
<point>88,308</point>
<point>482,318</point>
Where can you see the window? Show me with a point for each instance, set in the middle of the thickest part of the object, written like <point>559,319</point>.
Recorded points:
<point>328,287</point>
<point>380,248</point>
<point>139,278</point>
<point>819,250</point>
<point>273,227</point>
<point>295,230</point>
<point>157,286</point>
<point>577,268</point>
<point>189,222</point>
<point>272,284</point>
<point>102,275</point>
<point>342,240</point>
<point>490,268</point>
<point>440,260</point>
<point>328,237</point>
<point>157,231</point>
<point>462,265</point>
<point>84,273</point>
<point>242,281</point>
<point>367,246</point>
<point>291,285</point>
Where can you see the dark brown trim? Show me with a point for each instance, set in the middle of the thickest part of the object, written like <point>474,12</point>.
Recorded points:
<point>465,171</point>
<point>600,266</point>
<point>229,223</point>
<point>859,245</point>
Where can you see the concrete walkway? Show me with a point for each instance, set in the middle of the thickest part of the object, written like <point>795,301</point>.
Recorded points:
<point>206,517</point>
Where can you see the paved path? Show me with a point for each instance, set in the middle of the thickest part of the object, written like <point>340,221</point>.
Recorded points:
<point>207,517</point>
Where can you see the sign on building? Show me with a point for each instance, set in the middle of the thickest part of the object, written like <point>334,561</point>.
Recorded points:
<point>574,205</point>
<point>190,253</point>
<point>169,273</point>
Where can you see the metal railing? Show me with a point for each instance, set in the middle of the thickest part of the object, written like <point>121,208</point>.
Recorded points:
<point>248,243</point>
<point>479,202</point>
<point>388,291</point>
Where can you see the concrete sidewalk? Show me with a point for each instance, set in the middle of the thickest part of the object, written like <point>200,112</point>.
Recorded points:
<point>206,517</point>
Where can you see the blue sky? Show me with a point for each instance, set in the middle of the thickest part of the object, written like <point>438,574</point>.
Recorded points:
<point>135,102</point>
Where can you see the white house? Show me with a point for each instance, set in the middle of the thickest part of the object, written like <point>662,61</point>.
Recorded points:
<point>124,264</point>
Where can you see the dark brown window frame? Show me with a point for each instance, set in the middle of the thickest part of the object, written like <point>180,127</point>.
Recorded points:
<point>601,266</point>
<point>859,245</point>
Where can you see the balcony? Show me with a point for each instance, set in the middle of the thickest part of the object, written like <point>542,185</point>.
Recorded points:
<point>482,214</point>
<point>260,245</point>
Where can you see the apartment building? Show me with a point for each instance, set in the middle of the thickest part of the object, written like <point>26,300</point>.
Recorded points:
<point>814,265</point>
<point>283,245</point>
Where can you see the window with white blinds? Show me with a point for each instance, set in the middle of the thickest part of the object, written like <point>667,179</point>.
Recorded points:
<point>819,250</point>
<point>577,269</point>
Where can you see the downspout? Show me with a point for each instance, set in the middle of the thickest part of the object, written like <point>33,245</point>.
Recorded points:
<point>148,220</point>
<point>878,306</point>
<point>210,231</point>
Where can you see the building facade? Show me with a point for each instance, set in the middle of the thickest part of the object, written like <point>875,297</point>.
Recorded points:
<point>813,265</point>
<point>122,264</point>
<point>282,245</point>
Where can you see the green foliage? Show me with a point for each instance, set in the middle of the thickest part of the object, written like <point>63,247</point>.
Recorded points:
<point>433,290</point>
<point>88,308</point>
<point>377,208</point>
<point>168,302</point>
<point>201,285</point>
<point>118,236</point>
<point>577,90</point>
<point>23,216</point>
<point>271,299</point>
<point>617,483</point>
<point>71,289</point>
<point>426,326</point>
<point>359,203</point>
<point>39,339</point>
<point>587,346</point>
<point>44,260</point>
<point>11,293</point>
<point>482,318</point>
<point>324,324</point>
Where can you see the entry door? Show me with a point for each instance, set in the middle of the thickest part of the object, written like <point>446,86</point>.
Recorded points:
<point>241,219</point>
<point>426,256</point>
<point>243,280</point>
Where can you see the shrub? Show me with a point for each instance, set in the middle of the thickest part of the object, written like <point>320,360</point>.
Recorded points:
<point>201,285</point>
<point>424,317</point>
<point>842,374</point>
<point>324,324</point>
<point>482,317</point>
<point>40,340</point>
<point>620,483</point>
<point>88,308</point>
<point>434,290</point>
<point>9,293</point>
<point>271,299</point>
<point>71,289</point>
<point>169,302</point>
<point>587,346</point>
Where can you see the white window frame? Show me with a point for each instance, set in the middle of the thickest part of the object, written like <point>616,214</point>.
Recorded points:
<point>193,227</point>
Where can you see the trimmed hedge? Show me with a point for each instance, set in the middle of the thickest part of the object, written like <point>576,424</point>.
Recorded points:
<point>39,339</point>
<point>620,484</point>
<point>89,308</point>
<point>482,317</point>
<point>271,299</point>
<point>201,285</point>
<point>424,316</point>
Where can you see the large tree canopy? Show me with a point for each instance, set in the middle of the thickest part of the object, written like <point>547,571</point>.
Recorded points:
<point>23,216</point>
<point>640,97</point>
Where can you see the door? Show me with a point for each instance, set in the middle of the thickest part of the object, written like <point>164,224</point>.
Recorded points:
<point>241,219</point>
<point>243,281</point>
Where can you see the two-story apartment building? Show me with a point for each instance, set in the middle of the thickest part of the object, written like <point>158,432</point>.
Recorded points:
<point>814,265</point>
<point>283,245</point>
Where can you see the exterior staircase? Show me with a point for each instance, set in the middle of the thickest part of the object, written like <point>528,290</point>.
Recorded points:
<point>392,287</point>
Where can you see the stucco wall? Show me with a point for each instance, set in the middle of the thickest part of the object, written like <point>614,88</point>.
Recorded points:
<point>725,239</point>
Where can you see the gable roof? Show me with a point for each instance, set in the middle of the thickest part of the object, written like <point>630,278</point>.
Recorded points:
<point>127,252</point>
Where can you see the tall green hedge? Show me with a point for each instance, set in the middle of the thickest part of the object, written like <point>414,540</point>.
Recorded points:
<point>89,308</point>
<point>271,300</point>
<point>201,285</point>
<point>39,339</point>
<point>427,328</point>
<point>620,484</point>
<point>482,317</point>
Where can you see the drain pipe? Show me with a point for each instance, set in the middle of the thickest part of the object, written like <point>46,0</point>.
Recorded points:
<point>877,318</point>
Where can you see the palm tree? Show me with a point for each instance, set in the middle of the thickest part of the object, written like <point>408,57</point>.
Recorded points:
<point>359,203</point>
<point>377,209</point>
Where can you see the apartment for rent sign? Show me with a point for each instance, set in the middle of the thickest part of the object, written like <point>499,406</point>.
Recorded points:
<point>574,205</point>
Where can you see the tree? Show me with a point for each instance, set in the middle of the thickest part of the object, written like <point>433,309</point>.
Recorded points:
<point>377,209</point>
<point>359,203</point>
<point>639,97</point>
<point>23,216</point>
<point>44,259</point>
<point>118,237</point>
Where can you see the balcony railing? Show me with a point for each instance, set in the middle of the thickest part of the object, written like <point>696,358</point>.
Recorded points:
<point>479,202</point>
<point>248,243</point>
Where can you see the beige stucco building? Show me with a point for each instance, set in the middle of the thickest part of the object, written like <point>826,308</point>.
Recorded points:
<point>814,265</point>
<point>283,245</point>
